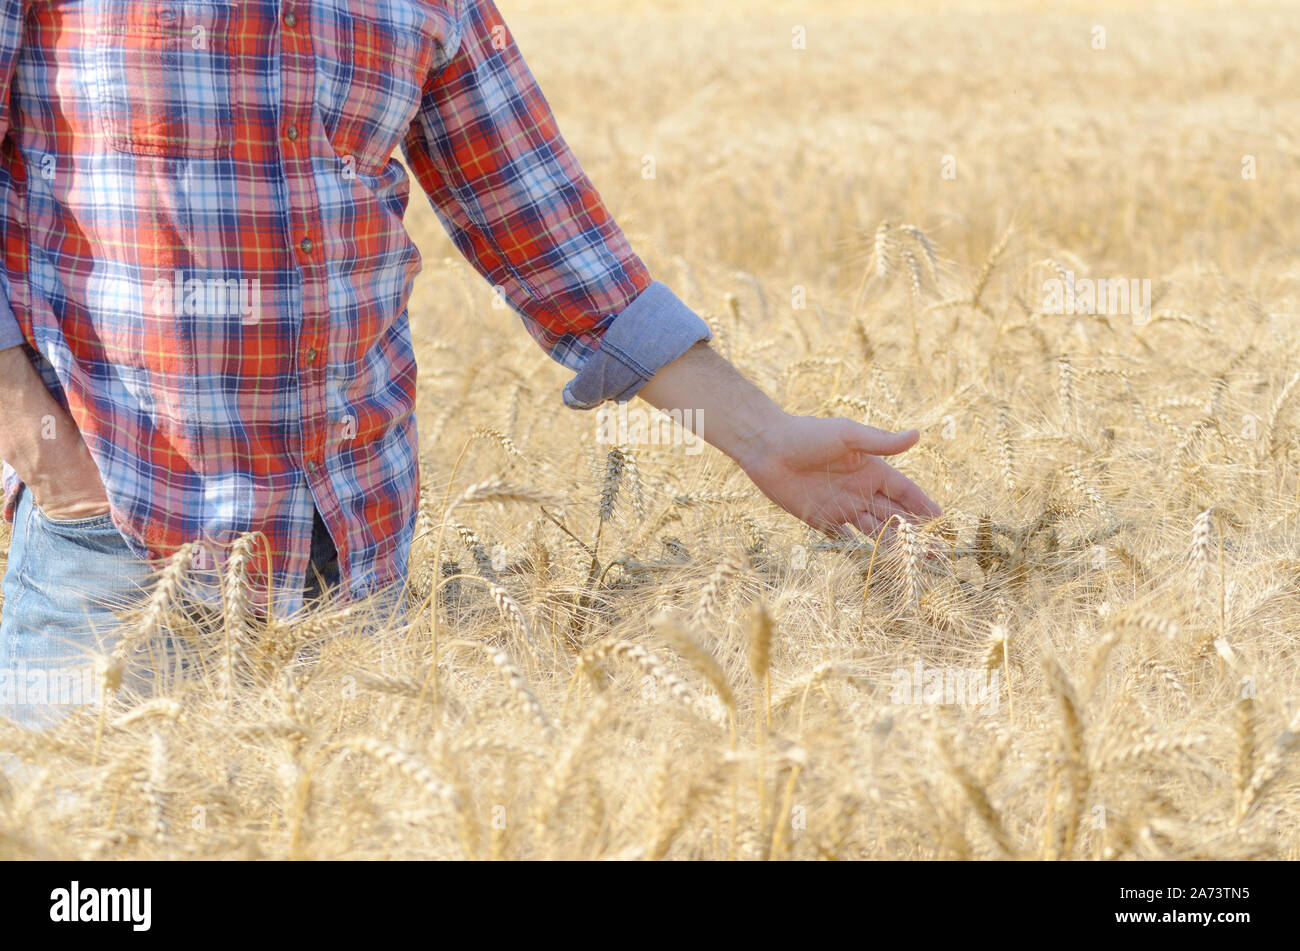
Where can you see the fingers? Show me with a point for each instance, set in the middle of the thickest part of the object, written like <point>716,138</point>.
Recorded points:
<point>908,494</point>
<point>878,478</point>
<point>861,513</point>
<point>869,525</point>
<point>878,442</point>
<point>884,509</point>
<point>836,532</point>
<point>880,519</point>
<point>883,528</point>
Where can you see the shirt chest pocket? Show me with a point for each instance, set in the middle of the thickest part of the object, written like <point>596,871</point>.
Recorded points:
<point>163,76</point>
<point>376,80</point>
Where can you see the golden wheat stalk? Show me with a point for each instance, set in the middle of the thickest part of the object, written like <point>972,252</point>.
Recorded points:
<point>406,764</point>
<point>654,667</point>
<point>1073,764</point>
<point>499,490</point>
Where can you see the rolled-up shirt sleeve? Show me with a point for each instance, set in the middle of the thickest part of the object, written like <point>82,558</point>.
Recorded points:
<point>511,194</point>
<point>11,334</point>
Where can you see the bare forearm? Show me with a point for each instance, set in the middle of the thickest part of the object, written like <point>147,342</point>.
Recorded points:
<point>727,410</point>
<point>41,441</point>
<point>30,412</point>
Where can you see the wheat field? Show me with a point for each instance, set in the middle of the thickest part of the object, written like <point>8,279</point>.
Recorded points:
<point>634,655</point>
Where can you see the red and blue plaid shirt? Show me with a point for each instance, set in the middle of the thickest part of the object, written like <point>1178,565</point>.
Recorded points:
<point>205,257</point>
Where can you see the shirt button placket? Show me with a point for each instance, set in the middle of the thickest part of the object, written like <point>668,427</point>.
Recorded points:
<point>296,110</point>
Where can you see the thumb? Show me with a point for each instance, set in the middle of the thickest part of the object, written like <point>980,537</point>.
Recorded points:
<point>879,442</point>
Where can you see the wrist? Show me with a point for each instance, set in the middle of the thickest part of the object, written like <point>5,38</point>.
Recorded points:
<point>756,435</point>
<point>62,476</point>
<point>728,411</point>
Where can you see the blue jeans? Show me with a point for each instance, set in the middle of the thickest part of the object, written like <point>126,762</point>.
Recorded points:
<point>64,586</point>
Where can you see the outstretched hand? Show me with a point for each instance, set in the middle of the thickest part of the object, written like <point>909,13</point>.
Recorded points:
<point>829,473</point>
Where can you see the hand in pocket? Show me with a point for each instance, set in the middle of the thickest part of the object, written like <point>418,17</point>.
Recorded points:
<point>44,446</point>
<point>70,486</point>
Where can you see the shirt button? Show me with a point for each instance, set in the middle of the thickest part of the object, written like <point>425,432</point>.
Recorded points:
<point>311,355</point>
<point>291,133</point>
<point>306,245</point>
<point>311,465</point>
<point>290,20</point>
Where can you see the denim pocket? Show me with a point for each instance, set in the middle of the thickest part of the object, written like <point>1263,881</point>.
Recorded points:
<point>94,523</point>
<point>164,77</point>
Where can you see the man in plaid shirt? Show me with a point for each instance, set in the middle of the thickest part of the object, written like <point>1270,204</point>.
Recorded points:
<point>203,324</point>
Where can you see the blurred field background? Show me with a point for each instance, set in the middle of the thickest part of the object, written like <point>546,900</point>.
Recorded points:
<point>653,661</point>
